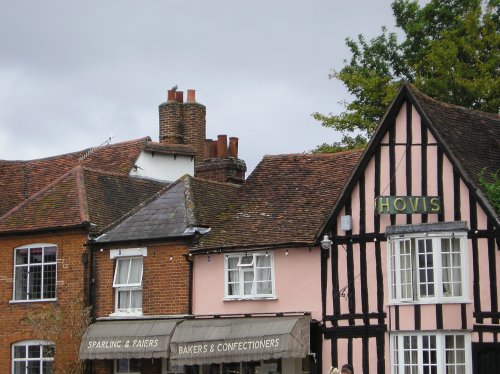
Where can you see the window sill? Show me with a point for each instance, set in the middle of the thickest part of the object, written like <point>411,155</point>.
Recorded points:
<point>32,301</point>
<point>256,298</point>
<point>126,314</point>
<point>429,302</point>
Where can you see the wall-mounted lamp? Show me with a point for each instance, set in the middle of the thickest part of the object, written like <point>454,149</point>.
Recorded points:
<point>286,252</point>
<point>267,254</point>
<point>171,258</point>
<point>326,243</point>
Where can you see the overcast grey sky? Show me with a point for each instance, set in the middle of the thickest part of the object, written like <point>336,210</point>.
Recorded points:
<point>74,72</point>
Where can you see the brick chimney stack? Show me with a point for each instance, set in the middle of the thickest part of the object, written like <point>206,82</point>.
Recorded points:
<point>183,122</point>
<point>221,162</point>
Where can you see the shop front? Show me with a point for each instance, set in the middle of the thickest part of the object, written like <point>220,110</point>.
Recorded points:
<point>129,346</point>
<point>242,345</point>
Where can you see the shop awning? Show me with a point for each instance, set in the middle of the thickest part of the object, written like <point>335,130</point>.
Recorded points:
<point>127,339</point>
<point>204,341</point>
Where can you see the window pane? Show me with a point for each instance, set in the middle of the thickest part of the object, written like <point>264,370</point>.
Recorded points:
<point>123,299</point>
<point>263,261</point>
<point>136,300</point>
<point>122,269</point>
<point>135,271</point>
<point>49,281</point>
<point>246,261</point>
<point>405,268</point>
<point>233,289</point>
<point>264,288</point>
<point>21,290</point>
<point>20,351</point>
<point>36,255</point>
<point>19,368</point>
<point>451,267</point>
<point>34,351</point>
<point>22,256</point>
<point>232,262</point>
<point>122,365</point>
<point>34,367</point>
<point>248,282</point>
<point>50,254</point>
<point>48,367</point>
<point>426,268</point>
<point>35,282</point>
<point>48,351</point>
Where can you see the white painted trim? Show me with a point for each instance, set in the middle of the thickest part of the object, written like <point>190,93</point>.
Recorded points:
<point>440,349</point>
<point>271,296</point>
<point>128,252</point>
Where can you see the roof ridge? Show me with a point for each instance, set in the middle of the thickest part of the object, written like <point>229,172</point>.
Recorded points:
<point>318,155</point>
<point>445,105</point>
<point>82,151</point>
<point>74,170</point>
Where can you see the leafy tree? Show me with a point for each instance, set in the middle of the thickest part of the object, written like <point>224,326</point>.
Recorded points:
<point>450,51</point>
<point>491,187</point>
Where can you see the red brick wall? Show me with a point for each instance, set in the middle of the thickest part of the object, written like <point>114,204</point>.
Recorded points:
<point>62,321</point>
<point>165,281</point>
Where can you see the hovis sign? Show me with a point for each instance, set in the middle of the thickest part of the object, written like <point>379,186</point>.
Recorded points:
<point>408,205</point>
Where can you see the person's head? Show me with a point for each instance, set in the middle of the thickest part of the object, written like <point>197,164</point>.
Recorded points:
<point>347,369</point>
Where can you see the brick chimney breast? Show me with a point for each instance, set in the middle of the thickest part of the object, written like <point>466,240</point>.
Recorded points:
<point>170,121</point>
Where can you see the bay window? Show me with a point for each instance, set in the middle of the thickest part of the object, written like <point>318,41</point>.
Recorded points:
<point>249,275</point>
<point>428,267</point>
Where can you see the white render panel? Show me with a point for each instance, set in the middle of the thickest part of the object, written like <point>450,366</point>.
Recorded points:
<point>162,167</point>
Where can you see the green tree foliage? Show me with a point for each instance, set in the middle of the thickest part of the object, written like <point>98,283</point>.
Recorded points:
<point>450,51</point>
<point>490,184</point>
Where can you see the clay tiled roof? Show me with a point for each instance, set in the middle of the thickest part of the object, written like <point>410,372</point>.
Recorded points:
<point>176,211</point>
<point>53,192</point>
<point>472,137</point>
<point>283,202</point>
<point>79,197</point>
<point>21,179</point>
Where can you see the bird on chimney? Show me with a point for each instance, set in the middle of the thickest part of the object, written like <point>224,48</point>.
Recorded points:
<point>174,88</point>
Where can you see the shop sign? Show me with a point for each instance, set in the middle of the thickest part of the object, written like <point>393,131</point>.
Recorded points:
<point>108,344</point>
<point>408,205</point>
<point>242,346</point>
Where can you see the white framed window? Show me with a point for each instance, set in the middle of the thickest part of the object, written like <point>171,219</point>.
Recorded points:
<point>428,267</point>
<point>128,366</point>
<point>33,357</point>
<point>249,275</point>
<point>432,353</point>
<point>127,283</point>
<point>35,272</point>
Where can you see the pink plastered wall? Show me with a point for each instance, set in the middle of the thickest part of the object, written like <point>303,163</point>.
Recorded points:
<point>297,285</point>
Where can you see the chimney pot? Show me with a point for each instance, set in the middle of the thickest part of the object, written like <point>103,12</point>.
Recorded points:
<point>179,96</point>
<point>209,148</point>
<point>233,147</point>
<point>221,146</point>
<point>191,96</point>
<point>171,95</point>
